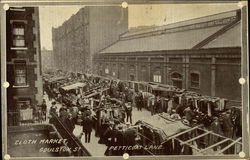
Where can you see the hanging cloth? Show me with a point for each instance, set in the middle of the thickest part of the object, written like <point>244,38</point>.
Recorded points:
<point>196,103</point>
<point>209,112</point>
<point>170,105</point>
<point>222,104</point>
<point>180,100</point>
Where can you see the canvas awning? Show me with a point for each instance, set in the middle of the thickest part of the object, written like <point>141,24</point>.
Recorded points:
<point>74,86</point>
<point>160,87</point>
<point>56,79</point>
<point>168,127</point>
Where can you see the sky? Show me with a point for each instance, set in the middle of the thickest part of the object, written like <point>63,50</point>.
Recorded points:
<point>139,15</point>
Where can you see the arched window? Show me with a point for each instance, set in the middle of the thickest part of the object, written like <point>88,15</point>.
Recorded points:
<point>195,80</point>
<point>176,79</point>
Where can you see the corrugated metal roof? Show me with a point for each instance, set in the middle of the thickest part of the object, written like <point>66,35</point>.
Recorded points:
<point>231,38</point>
<point>181,23</point>
<point>169,41</point>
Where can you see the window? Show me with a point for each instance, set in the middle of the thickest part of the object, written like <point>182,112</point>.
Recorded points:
<point>20,73</point>
<point>176,79</point>
<point>157,76</point>
<point>195,80</point>
<point>18,35</point>
<point>107,71</point>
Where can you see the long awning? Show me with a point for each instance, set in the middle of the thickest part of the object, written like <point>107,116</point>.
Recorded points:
<point>162,87</point>
<point>56,79</point>
<point>74,86</point>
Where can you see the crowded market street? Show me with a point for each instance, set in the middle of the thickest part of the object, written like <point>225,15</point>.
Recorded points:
<point>94,148</point>
<point>118,108</point>
<point>98,86</point>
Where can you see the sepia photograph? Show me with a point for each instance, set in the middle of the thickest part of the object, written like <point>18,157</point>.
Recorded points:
<point>124,79</point>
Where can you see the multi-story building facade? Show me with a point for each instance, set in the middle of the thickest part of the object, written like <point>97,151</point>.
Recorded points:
<point>91,29</point>
<point>47,60</point>
<point>23,60</point>
<point>201,55</point>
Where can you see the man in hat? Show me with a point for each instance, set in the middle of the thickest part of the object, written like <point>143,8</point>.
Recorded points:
<point>87,127</point>
<point>53,108</point>
<point>128,109</point>
<point>63,112</point>
<point>44,109</point>
<point>140,99</point>
<point>87,112</point>
<point>70,125</point>
<point>79,118</point>
<point>107,134</point>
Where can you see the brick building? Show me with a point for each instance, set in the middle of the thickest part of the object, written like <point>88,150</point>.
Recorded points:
<point>201,55</point>
<point>23,59</point>
<point>84,34</point>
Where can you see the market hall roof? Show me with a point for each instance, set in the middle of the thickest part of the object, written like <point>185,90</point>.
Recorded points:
<point>231,38</point>
<point>191,34</point>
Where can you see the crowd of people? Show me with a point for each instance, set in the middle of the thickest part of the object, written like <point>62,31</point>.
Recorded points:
<point>110,109</point>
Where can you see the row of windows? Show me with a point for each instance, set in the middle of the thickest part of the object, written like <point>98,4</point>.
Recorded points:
<point>177,79</point>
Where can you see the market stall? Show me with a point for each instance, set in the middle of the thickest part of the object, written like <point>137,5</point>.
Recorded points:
<point>179,137</point>
<point>75,88</point>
